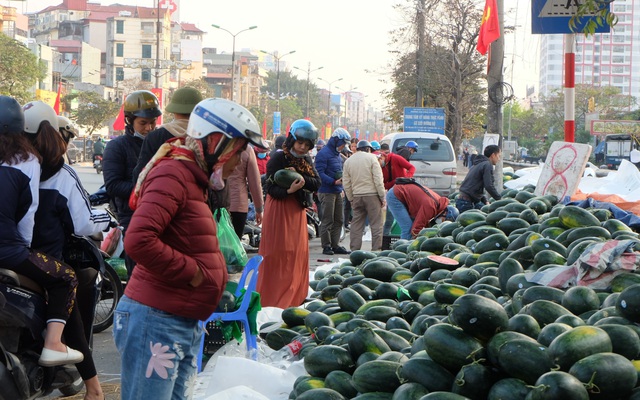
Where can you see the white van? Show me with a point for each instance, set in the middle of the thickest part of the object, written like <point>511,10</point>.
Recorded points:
<point>435,160</point>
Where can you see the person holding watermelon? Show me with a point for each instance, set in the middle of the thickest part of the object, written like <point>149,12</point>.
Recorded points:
<point>291,179</point>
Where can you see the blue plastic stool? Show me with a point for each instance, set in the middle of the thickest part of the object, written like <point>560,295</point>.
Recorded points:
<point>248,281</point>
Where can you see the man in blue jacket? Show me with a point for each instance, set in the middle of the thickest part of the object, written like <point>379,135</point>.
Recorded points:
<point>329,167</point>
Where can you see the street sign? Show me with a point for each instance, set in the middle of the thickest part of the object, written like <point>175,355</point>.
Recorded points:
<point>418,119</point>
<point>552,16</point>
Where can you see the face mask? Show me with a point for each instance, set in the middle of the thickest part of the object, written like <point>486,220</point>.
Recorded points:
<point>296,155</point>
<point>138,135</point>
<point>383,163</point>
<point>262,155</point>
<point>215,180</point>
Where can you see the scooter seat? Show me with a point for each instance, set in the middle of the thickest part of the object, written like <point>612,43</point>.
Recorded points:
<point>11,277</point>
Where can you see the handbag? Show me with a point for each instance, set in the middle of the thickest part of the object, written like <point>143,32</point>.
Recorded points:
<point>234,254</point>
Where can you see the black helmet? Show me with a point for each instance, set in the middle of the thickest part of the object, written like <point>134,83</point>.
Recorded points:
<point>142,103</point>
<point>362,144</point>
<point>11,117</point>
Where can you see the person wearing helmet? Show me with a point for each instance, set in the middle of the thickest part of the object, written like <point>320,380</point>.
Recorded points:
<point>329,166</point>
<point>64,210</point>
<point>181,104</point>
<point>414,207</point>
<point>408,149</point>
<point>98,148</point>
<point>180,272</point>
<point>284,275</point>
<point>375,145</point>
<point>67,129</point>
<point>141,110</point>
<point>364,188</point>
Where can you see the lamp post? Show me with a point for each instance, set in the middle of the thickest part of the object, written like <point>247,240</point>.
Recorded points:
<point>233,55</point>
<point>277,74</point>
<point>329,96</point>
<point>309,71</point>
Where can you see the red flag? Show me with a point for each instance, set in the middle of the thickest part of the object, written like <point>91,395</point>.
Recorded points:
<point>56,104</point>
<point>489,28</point>
<point>118,124</point>
<point>264,128</point>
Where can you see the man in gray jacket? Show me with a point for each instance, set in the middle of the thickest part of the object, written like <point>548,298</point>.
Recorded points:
<point>364,188</point>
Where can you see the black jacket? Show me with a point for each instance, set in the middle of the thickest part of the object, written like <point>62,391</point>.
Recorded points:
<point>479,178</point>
<point>119,160</point>
<point>150,146</point>
<point>311,183</point>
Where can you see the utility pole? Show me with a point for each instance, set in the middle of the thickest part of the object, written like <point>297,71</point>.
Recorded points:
<point>494,81</point>
<point>420,67</point>
<point>308,71</point>
<point>158,32</point>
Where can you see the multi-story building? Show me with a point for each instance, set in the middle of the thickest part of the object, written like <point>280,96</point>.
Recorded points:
<point>603,59</point>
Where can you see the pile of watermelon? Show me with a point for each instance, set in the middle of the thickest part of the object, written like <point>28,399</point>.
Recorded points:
<point>451,315</point>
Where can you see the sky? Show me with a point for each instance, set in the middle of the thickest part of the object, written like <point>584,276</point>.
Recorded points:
<point>349,39</point>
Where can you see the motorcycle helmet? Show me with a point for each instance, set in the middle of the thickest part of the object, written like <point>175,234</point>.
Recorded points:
<point>66,128</point>
<point>375,145</point>
<point>11,117</point>
<point>341,133</point>
<point>412,145</point>
<point>363,144</point>
<point>303,129</point>
<point>37,111</point>
<point>452,213</point>
<point>227,117</point>
<point>141,103</point>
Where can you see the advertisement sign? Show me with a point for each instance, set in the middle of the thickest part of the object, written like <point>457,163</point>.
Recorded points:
<point>276,122</point>
<point>418,119</point>
<point>606,127</point>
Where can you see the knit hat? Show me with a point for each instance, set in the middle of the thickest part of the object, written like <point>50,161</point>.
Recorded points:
<point>184,100</point>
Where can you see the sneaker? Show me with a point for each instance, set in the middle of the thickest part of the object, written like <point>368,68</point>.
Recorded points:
<point>52,358</point>
<point>340,250</point>
<point>327,250</point>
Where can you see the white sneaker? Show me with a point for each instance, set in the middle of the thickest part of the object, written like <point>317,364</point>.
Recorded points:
<point>51,358</point>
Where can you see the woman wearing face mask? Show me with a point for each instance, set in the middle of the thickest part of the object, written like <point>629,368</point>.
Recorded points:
<point>262,158</point>
<point>284,277</point>
<point>180,272</point>
<point>141,110</point>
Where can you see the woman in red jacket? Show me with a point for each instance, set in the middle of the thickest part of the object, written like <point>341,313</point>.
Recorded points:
<point>180,272</point>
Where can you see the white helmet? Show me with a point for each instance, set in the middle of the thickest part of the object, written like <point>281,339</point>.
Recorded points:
<point>37,111</point>
<point>227,117</point>
<point>67,128</point>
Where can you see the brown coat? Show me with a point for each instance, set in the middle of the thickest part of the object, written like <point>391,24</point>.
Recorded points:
<point>245,172</point>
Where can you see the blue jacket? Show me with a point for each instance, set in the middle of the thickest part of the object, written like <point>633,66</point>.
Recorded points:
<point>329,166</point>
<point>20,199</point>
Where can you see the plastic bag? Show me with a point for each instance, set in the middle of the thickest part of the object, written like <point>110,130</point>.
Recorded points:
<point>230,246</point>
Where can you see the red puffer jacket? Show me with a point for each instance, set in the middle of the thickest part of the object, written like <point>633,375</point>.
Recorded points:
<point>171,234</point>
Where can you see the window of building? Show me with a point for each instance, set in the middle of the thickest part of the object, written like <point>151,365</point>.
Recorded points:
<point>596,69</point>
<point>617,70</point>
<point>618,38</point>
<point>606,48</point>
<point>618,79</point>
<point>619,8</point>
<point>578,68</point>
<point>605,69</point>
<point>146,51</point>
<point>596,59</point>
<point>146,75</point>
<point>147,27</point>
<point>119,49</point>
<point>119,74</point>
<point>120,26</point>
<point>617,59</point>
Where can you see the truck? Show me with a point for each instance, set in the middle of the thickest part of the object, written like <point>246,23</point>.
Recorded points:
<point>617,148</point>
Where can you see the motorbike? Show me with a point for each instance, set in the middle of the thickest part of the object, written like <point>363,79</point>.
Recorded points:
<point>313,223</point>
<point>97,163</point>
<point>23,321</point>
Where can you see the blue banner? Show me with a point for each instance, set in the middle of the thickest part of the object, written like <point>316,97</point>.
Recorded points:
<point>418,119</point>
<point>276,122</point>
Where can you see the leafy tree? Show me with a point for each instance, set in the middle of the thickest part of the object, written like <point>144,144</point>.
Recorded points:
<point>20,70</point>
<point>600,12</point>
<point>202,86</point>
<point>93,111</point>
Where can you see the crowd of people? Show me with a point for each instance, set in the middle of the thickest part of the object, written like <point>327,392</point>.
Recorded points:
<point>165,182</point>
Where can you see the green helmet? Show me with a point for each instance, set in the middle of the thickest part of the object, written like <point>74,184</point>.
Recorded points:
<point>142,103</point>
<point>184,100</point>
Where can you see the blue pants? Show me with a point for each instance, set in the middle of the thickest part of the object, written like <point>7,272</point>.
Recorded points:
<point>464,205</point>
<point>400,214</point>
<point>159,352</point>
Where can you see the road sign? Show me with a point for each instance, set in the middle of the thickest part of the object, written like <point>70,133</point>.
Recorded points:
<point>418,119</point>
<point>552,16</point>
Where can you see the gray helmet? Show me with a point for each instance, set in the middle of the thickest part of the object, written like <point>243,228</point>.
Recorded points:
<point>11,117</point>
<point>363,144</point>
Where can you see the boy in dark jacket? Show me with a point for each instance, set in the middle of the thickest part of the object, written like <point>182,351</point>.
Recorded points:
<point>479,178</point>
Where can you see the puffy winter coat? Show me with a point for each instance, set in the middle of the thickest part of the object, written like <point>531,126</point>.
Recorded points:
<point>329,167</point>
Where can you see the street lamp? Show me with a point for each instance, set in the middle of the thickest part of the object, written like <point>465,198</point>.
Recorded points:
<point>329,96</point>
<point>233,55</point>
<point>277,74</point>
<point>309,71</point>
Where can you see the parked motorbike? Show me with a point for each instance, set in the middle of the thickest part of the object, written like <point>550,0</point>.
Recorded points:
<point>313,223</point>
<point>23,321</point>
<point>97,163</point>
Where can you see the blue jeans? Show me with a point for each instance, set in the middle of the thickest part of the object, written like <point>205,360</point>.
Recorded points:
<point>464,205</point>
<point>400,214</point>
<point>159,351</point>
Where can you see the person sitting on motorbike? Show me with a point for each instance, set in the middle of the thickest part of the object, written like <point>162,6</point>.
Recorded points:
<point>67,129</point>
<point>98,148</point>
<point>141,110</point>
<point>64,209</point>
<point>19,179</point>
<point>180,272</point>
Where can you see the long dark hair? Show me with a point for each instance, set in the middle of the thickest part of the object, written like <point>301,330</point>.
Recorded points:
<point>50,144</point>
<point>16,148</point>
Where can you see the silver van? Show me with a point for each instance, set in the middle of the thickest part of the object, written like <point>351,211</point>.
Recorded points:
<point>435,160</point>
